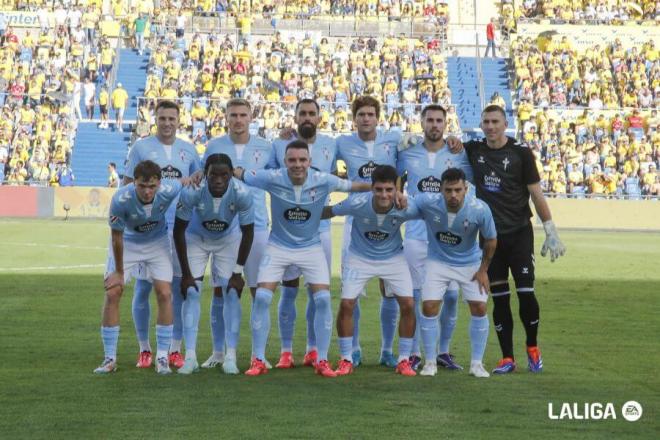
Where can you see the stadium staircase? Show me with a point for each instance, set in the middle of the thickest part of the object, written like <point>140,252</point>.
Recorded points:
<point>462,80</point>
<point>94,148</point>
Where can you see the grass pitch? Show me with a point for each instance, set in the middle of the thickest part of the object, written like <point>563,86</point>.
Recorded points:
<point>599,321</point>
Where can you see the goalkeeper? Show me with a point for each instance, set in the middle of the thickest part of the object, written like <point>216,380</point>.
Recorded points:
<point>505,176</point>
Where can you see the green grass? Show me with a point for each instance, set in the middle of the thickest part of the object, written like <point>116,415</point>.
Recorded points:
<point>599,336</point>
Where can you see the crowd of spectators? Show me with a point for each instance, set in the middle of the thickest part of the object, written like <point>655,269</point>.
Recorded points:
<point>612,12</point>
<point>42,72</point>
<point>274,73</point>
<point>599,153</point>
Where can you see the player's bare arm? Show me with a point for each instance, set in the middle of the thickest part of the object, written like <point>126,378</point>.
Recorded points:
<point>236,280</point>
<point>481,276</point>
<point>116,278</point>
<point>179,234</point>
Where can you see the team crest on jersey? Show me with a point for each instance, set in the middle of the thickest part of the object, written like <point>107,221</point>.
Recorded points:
<point>256,155</point>
<point>429,184</point>
<point>146,227</point>
<point>481,159</point>
<point>466,224</point>
<point>312,194</point>
<point>169,172</point>
<point>232,207</point>
<point>215,225</point>
<point>387,149</point>
<point>326,153</point>
<point>366,169</point>
<point>376,235</point>
<point>506,162</point>
<point>183,156</point>
<point>449,163</point>
<point>448,238</point>
<point>297,215</point>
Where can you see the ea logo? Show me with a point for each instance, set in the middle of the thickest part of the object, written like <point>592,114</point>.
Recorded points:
<point>631,411</point>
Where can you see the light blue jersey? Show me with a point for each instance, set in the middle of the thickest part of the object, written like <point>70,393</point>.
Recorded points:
<point>141,222</point>
<point>454,243</point>
<point>214,218</point>
<point>323,153</point>
<point>362,157</point>
<point>177,160</point>
<point>255,155</point>
<point>424,170</point>
<point>374,236</point>
<point>296,210</point>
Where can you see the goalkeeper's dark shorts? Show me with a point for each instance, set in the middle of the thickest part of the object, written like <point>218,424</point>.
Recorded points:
<point>515,253</point>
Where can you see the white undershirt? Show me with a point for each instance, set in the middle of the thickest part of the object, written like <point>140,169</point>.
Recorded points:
<point>216,203</point>
<point>370,147</point>
<point>168,151</point>
<point>431,157</point>
<point>451,216</point>
<point>240,149</point>
<point>297,190</point>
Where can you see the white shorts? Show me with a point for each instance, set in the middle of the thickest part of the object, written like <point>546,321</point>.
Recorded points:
<point>142,273</point>
<point>357,271</point>
<point>439,276</point>
<point>222,252</point>
<point>416,252</point>
<point>155,256</point>
<point>251,268</point>
<point>310,260</point>
<point>293,272</point>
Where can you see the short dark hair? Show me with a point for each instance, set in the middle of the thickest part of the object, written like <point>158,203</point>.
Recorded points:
<point>384,173</point>
<point>218,159</point>
<point>494,108</point>
<point>296,145</point>
<point>365,101</point>
<point>436,107</point>
<point>146,170</point>
<point>166,103</point>
<point>308,101</point>
<point>113,165</point>
<point>452,175</point>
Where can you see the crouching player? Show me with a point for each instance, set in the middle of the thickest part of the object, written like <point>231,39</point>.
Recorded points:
<point>452,223</point>
<point>139,235</point>
<point>211,212</point>
<point>376,251</point>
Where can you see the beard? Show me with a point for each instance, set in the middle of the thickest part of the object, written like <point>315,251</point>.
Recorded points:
<point>433,136</point>
<point>307,131</point>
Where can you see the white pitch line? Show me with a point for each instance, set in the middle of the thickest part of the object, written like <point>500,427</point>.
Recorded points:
<point>59,246</point>
<point>26,269</point>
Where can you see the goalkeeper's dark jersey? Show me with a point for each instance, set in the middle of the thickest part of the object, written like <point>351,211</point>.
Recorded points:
<point>501,177</point>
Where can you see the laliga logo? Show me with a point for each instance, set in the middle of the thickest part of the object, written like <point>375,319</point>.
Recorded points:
<point>631,411</point>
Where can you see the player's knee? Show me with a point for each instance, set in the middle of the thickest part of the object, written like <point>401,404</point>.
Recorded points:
<point>346,307</point>
<point>406,305</point>
<point>114,295</point>
<point>430,308</point>
<point>477,308</point>
<point>500,289</point>
<point>163,294</point>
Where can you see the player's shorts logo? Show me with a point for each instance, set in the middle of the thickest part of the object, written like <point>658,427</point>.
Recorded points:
<point>366,169</point>
<point>429,184</point>
<point>376,235</point>
<point>297,215</point>
<point>215,225</point>
<point>146,227</point>
<point>169,172</point>
<point>448,238</point>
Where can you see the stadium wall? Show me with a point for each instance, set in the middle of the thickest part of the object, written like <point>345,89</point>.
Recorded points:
<point>93,202</point>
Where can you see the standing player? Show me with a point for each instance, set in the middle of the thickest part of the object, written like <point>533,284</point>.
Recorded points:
<point>297,200</point>
<point>362,151</point>
<point>323,152</point>
<point>177,159</point>
<point>452,223</point>
<point>423,164</point>
<point>139,236</point>
<point>375,251</point>
<point>249,153</point>
<point>212,211</point>
<point>505,177</point>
